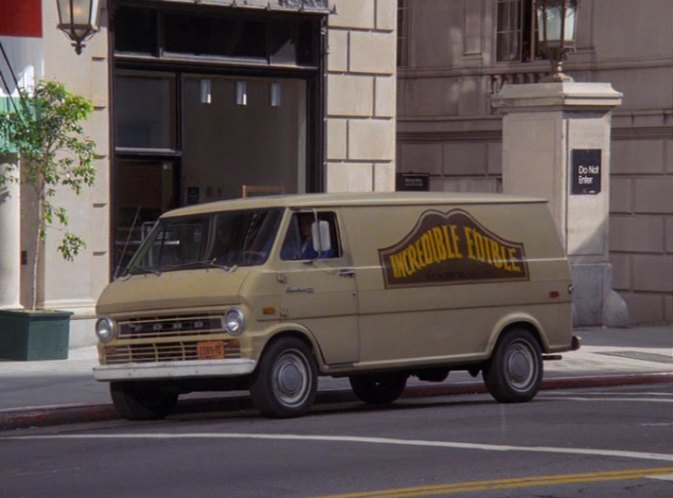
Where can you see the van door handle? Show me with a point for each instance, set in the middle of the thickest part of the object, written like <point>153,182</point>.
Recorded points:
<point>347,272</point>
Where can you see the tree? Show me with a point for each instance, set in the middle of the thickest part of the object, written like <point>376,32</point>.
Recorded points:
<point>45,131</point>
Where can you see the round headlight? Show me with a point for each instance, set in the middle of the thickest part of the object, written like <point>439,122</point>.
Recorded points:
<point>234,321</point>
<point>105,329</point>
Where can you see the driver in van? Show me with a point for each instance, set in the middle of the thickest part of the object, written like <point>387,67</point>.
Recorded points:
<point>224,252</point>
<point>301,247</point>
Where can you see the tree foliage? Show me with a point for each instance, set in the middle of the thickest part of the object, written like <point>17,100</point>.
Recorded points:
<point>45,131</point>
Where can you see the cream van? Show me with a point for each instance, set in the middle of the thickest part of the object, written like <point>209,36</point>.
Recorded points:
<point>268,293</point>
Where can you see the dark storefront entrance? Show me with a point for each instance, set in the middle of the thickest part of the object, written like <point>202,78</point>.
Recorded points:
<point>206,101</point>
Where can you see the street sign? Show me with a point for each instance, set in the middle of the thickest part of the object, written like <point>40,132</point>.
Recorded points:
<point>419,182</point>
<point>585,172</point>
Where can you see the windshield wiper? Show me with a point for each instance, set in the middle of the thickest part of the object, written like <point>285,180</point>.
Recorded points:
<point>208,263</point>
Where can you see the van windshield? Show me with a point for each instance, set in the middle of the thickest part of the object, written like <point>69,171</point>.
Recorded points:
<point>227,240</point>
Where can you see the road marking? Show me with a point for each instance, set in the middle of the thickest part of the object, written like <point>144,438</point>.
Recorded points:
<point>629,400</point>
<point>665,477</point>
<point>603,394</point>
<point>664,457</point>
<point>525,482</point>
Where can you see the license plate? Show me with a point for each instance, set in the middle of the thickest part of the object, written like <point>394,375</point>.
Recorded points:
<point>210,350</point>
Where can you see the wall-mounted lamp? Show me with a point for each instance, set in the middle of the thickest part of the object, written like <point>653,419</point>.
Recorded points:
<point>556,28</point>
<point>78,19</point>
<point>241,93</point>
<point>274,94</point>
<point>206,91</point>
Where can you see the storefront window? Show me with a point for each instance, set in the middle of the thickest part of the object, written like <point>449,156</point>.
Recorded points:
<point>145,112</point>
<point>136,30</point>
<point>242,37</point>
<point>209,103</point>
<point>292,43</point>
<point>213,36</point>
<point>226,145</point>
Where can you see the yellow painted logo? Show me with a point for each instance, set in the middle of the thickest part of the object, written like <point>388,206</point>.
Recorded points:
<point>451,248</point>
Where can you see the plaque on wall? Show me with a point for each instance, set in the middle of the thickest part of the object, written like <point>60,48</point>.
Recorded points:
<point>585,175</point>
<point>192,195</point>
<point>412,182</point>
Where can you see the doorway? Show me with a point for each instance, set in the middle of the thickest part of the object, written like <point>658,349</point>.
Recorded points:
<point>145,189</point>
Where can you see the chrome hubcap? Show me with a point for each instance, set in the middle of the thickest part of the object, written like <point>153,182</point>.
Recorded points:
<point>291,378</point>
<point>521,369</point>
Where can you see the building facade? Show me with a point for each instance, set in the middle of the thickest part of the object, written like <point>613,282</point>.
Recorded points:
<point>197,101</point>
<point>454,55</point>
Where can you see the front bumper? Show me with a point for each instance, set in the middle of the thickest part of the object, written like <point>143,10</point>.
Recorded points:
<point>168,370</point>
<point>576,343</point>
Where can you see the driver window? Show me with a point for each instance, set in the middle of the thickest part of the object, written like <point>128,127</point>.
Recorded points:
<point>298,243</point>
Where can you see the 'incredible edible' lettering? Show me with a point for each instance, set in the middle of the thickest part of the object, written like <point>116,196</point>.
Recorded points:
<point>485,249</point>
<point>438,244</point>
<point>444,242</point>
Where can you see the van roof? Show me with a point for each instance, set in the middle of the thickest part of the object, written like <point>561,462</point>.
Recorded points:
<point>300,201</point>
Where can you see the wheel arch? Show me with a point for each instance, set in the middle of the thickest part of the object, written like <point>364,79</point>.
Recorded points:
<point>526,322</point>
<point>298,332</point>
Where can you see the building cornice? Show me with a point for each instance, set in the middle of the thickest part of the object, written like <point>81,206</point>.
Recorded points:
<point>626,125</point>
<point>532,67</point>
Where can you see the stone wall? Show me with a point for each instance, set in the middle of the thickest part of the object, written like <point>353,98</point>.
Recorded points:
<point>641,227</point>
<point>361,96</point>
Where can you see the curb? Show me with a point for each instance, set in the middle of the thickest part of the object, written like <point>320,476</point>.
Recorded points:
<point>55,415</point>
<point>21,418</point>
<point>570,382</point>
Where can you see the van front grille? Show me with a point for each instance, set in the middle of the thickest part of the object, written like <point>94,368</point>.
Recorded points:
<point>158,352</point>
<point>171,326</point>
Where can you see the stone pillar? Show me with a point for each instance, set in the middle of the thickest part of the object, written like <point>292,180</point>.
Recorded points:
<point>556,145</point>
<point>360,101</point>
<point>10,244</point>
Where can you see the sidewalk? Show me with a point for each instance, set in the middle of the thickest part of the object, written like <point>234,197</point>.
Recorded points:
<point>64,391</point>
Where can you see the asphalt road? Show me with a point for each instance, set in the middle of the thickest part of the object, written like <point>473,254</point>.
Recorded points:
<point>608,442</point>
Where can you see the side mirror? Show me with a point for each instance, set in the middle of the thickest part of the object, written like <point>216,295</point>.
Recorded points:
<point>322,241</point>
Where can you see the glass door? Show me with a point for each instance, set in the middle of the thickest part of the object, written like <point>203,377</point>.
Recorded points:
<point>144,189</point>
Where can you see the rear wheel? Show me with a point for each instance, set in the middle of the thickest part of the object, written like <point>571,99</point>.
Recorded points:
<point>285,383</point>
<point>514,372</point>
<point>378,389</point>
<point>142,401</point>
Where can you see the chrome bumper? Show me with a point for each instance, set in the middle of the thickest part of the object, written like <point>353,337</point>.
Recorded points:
<point>175,370</point>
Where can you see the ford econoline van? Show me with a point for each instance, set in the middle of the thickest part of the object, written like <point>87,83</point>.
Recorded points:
<point>268,293</point>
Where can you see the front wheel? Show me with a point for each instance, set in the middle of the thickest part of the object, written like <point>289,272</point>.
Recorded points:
<point>142,401</point>
<point>285,383</point>
<point>380,388</point>
<point>514,372</point>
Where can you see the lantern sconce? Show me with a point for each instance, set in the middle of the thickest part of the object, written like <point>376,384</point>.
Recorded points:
<point>556,29</point>
<point>78,19</point>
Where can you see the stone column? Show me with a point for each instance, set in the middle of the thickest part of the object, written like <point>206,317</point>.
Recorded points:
<point>556,145</point>
<point>10,244</point>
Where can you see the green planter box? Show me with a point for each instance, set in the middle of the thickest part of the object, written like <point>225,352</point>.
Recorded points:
<point>34,335</point>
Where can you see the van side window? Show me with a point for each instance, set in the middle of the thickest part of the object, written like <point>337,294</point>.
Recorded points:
<point>299,243</point>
